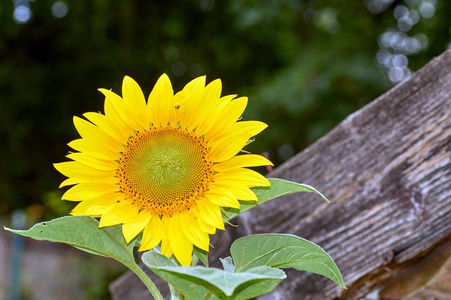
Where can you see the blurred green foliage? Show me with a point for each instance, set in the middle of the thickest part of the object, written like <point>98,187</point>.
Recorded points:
<point>305,66</point>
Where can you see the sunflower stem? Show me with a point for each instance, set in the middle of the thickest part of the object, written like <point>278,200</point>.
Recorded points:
<point>147,281</point>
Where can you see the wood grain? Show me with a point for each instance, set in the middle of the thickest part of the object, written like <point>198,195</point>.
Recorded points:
<point>387,170</point>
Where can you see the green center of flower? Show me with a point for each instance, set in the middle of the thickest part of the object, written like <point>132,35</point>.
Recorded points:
<point>165,170</point>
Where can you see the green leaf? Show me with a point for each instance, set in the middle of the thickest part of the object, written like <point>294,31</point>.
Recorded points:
<point>283,251</point>
<point>159,260</point>
<point>202,255</point>
<point>156,259</point>
<point>279,187</point>
<point>82,232</point>
<point>211,283</point>
<point>227,264</point>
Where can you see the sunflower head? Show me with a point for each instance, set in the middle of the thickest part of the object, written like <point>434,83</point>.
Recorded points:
<point>164,166</point>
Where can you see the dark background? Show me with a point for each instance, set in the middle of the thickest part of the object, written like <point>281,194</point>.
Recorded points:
<point>305,66</point>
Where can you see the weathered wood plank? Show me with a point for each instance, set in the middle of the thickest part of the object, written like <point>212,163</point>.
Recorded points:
<point>387,170</point>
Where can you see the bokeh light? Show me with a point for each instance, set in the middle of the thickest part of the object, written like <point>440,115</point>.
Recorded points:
<point>59,9</point>
<point>378,6</point>
<point>395,44</point>
<point>22,14</point>
<point>427,10</point>
<point>207,5</point>
<point>178,68</point>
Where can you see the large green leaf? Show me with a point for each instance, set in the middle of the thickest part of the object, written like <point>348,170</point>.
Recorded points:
<point>279,187</point>
<point>283,251</point>
<point>83,232</point>
<point>211,283</point>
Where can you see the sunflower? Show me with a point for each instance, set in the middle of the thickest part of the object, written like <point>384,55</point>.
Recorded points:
<point>165,167</point>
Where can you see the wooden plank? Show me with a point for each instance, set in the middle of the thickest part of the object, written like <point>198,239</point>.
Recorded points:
<point>387,170</point>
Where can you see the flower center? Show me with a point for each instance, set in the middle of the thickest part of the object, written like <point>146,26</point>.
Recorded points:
<point>165,170</point>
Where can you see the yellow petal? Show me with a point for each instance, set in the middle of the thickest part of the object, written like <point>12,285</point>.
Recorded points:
<point>195,84</point>
<point>123,110</point>
<point>84,191</point>
<point>210,213</point>
<point>131,229</point>
<point>165,245</point>
<point>133,94</point>
<point>191,92</point>
<point>114,127</point>
<point>117,214</point>
<point>161,102</point>
<point>222,197</point>
<point>207,228</point>
<point>152,234</point>
<point>94,135</point>
<point>244,193</point>
<point>98,151</point>
<point>228,148</point>
<point>77,180</point>
<point>114,117</point>
<point>229,144</point>
<point>202,103</point>
<point>240,161</point>
<point>92,162</point>
<point>68,181</point>
<point>95,207</point>
<point>229,115</point>
<point>193,232</point>
<point>206,107</point>
<point>239,190</point>
<point>250,178</point>
<point>211,116</point>
<point>78,170</point>
<point>244,128</point>
<point>180,245</point>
